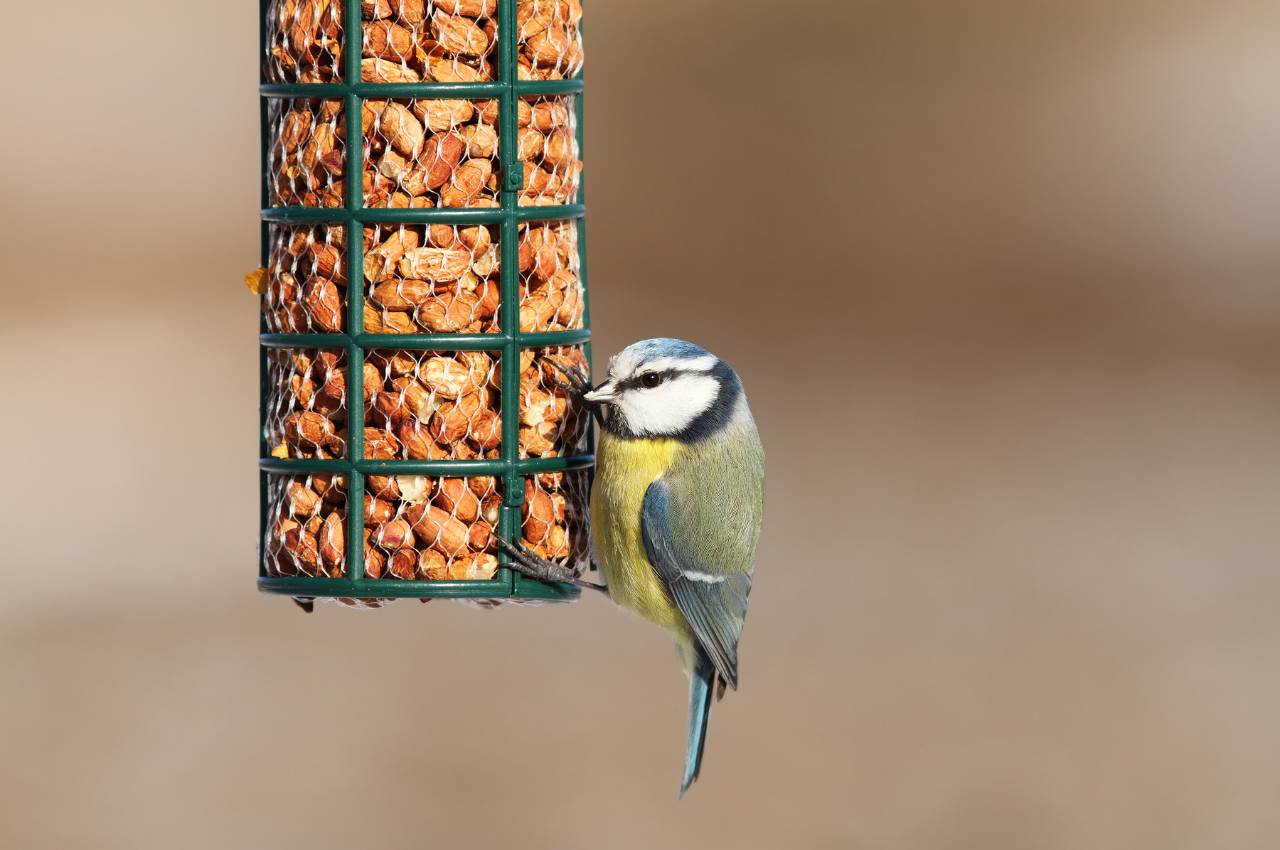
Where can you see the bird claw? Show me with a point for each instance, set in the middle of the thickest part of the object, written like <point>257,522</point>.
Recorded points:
<point>528,564</point>
<point>577,380</point>
<point>533,566</point>
<point>577,383</point>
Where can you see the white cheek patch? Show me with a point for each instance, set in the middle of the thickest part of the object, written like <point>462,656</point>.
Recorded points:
<point>671,406</point>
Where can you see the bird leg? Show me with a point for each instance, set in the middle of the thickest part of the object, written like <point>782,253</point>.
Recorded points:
<point>533,566</point>
<point>577,384</point>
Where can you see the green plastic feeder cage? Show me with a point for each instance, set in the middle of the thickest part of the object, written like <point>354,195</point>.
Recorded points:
<point>424,271</point>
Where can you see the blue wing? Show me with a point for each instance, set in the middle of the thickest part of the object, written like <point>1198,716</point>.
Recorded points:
<point>712,596</point>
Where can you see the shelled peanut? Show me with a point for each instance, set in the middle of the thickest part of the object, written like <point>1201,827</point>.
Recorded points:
<point>430,152</point>
<point>435,278</point>
<point>418,527</point>
<point>429,405</point>
<point>415,527</point>
<point>307,405</point>
<point>306,279</point>
<point>551,423</point>
<point>306,525</point>
<point>304,41</point>
<point>554,519</point>
<point>548,149</point>
<point>551,295</point>
<point>446,41</point>
<point>435,529</point>
<point>421,279</point>
<point>549,42</point>
<point>306,157</point>
<point>409,41</point>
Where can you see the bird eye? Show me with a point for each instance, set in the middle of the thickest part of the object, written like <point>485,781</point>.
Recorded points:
<point>650,379</point>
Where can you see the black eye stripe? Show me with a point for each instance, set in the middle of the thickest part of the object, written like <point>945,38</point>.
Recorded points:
<point>637,381</point>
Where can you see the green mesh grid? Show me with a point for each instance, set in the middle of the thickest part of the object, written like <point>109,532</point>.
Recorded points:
<point>342,81</point>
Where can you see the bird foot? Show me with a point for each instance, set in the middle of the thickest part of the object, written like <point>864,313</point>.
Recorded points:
<point>533,566</point>
<point>577,384</point>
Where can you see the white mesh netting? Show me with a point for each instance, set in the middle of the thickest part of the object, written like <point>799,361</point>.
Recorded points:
<point>305,160</point>
<point>430,152</point>
<point>436,278</point>
<point>306,524</point>
<point>304,41</point>
<point>445,41</point>
<point>411,41</point>
<point>305,287</point>
<point>554,520</point>
<point>549,42</point>
<point>548,149</point>
<point>552,424</point>
<point>419,527</point>
<point>306,409</point>
<point>551,295</point>
<point>431,405</point>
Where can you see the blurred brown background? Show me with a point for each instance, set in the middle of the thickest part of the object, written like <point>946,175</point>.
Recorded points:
<point>1001,278</point>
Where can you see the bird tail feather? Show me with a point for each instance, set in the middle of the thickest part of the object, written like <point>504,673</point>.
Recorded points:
<point>702,687</point>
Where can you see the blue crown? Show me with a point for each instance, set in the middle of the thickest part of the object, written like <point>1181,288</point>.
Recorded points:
<point>651,349</point>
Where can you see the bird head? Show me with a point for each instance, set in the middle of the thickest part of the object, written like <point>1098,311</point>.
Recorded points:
<point>668,388</point>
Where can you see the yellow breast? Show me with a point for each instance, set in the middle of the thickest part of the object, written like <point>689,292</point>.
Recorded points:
<point>624,471</point>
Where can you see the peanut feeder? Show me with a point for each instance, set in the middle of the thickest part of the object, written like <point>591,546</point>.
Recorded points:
<point>424,276</point>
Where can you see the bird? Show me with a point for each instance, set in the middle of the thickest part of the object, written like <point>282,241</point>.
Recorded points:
<point>677,507</point>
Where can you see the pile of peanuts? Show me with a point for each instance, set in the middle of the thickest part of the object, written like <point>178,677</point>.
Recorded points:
<point>417,527</point>
<point>421,405</point>
<point>443,152</point>
<point>422,279</point>
<point>411,41</point>
<point>421,153</point>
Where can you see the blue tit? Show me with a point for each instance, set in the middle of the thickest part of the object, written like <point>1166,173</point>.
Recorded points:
<point>676,509</point>
<point>677,506</point>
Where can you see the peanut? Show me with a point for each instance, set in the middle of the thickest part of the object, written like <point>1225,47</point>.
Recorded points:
<point>454,496</point>
<point>384,71</point>
<point>403,563</point>
<point>377,510</point>
<point>393,534</point>
<point>474,567</point>
<point>331,542</point>
<point>438,529</point>
<point>440,115</point>
<point>434,264</point>
<point>446,376</point>
<point>401,129</point>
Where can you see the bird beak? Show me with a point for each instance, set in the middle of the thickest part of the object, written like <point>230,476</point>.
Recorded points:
<point>602,394</point>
